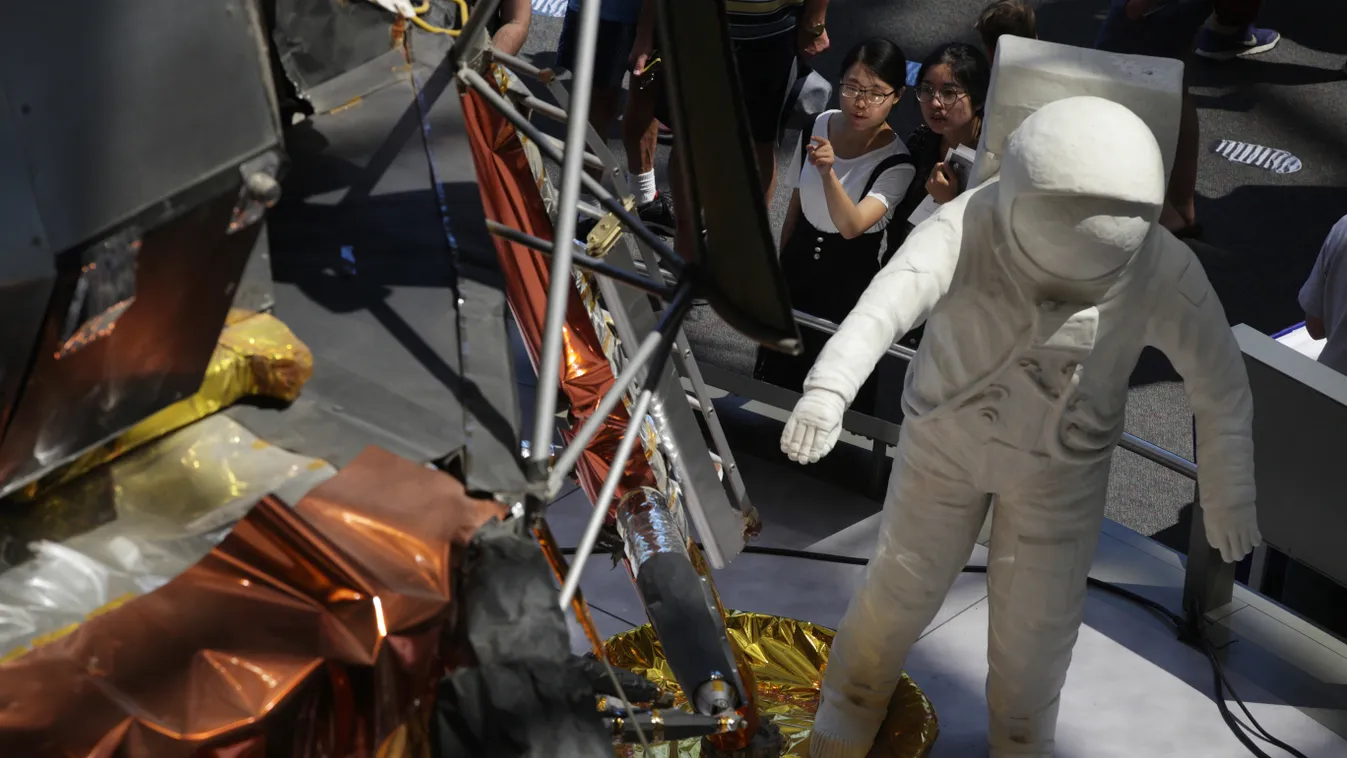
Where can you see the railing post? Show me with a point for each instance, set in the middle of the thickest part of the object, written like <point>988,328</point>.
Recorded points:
<point>1208,582</point>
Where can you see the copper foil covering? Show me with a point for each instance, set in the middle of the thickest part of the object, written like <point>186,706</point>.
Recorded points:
<point>312,632</point>
<point>510,196</point>
<point>787,658</point>
<point>257,355</point>
<point>557,562</point>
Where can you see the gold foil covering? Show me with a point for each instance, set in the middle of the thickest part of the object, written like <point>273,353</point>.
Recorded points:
<point>787,658</point>
<point>257,355</point>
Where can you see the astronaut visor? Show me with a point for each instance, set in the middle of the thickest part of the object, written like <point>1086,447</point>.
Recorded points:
<point>1079,238</point>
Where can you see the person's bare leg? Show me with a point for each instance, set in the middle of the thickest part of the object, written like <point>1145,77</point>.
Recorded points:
<point>1180,210</point>
<point>765,153</point>
<point>640,131</point>
<point>640,139</point>
<point>604,105</point>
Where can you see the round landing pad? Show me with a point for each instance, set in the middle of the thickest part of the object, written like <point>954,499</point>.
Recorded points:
<point>788,658</point>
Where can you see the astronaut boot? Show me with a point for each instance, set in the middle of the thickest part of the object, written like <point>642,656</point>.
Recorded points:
<point>843,730</point>
<point>1023,737</point>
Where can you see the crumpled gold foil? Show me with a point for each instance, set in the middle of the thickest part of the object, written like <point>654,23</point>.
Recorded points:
<point>257,355</point>
<point>788,658</point>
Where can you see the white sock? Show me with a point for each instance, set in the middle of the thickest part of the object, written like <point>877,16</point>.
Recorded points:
<point>643,187</point>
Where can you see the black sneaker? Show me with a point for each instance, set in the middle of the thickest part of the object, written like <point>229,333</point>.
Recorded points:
<point>658,214</point>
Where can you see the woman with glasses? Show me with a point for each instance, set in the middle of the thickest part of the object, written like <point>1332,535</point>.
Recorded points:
<point>851,171</point>
<point>951,90</point>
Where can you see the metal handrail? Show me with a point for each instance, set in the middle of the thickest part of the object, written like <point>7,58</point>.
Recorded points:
<point>1129,442</point>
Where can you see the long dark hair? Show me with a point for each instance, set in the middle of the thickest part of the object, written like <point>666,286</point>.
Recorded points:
<point>968,65</point>
<point>881,56</point>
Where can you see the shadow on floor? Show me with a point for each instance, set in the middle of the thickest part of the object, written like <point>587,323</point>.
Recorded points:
<point>1314,24</point>
<point>1259,267</point>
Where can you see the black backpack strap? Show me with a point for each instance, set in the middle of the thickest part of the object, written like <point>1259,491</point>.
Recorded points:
<point>902,159</point>
<point>805,136</point>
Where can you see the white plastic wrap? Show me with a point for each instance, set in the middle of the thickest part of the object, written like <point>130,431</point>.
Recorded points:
<point>171,501</point>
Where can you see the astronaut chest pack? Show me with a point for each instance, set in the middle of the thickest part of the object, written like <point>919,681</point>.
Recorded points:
<point>1057,383</point>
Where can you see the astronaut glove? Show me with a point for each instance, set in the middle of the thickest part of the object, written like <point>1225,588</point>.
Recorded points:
<point>814,426</point>
<point>1233,530</point>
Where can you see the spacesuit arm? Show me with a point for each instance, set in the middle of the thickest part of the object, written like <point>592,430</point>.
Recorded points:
<point>1189,326</point>
<point>898,298</point>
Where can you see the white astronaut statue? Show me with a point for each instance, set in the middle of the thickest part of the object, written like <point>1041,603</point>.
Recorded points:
<point>1039,288</point>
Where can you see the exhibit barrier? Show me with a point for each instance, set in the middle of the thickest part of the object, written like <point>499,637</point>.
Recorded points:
<point>1301,408</point>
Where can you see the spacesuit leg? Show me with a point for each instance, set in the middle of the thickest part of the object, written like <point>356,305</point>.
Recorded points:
<point>932,516</point>
<point>1043,542</point>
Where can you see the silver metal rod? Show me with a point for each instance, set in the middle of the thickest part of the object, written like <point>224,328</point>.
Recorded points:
<point>642,268</point>
<point>595,525</point>
<point>572,171</point>
<point>488,92</point>
<point>581,260</point>
<point>824,325</point>
<point>481,15</point>
<point>571,455</point>
<point>532,103</point>
<point>551,148</point>
<point>591,159</point>
<point>516,64</point>
<point>597,214</point>
<point>1156,454</point>
<point>524,238</point>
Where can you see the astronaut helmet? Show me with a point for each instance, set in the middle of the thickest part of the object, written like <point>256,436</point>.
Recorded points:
<point>1082,182</point>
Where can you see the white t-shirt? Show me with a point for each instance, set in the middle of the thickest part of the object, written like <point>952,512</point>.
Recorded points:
<point>854,173</point>
<point>1325,296</point>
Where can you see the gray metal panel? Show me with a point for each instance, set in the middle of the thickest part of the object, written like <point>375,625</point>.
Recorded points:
<point>108,106</point>
<point>27,270</point>
<point>256,291</point>
<point>492,418</point>
<point>1300,410</point>
<point>366,277</point>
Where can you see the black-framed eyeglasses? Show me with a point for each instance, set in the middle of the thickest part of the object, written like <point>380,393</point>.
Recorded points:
<point>946,96</point>
<point>873,97</point>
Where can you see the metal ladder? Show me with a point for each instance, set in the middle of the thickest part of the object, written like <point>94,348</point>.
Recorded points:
<point>683,390</point>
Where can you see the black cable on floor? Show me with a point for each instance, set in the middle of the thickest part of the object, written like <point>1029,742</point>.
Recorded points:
<point>1188,633</point>
<point>610,614</point>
